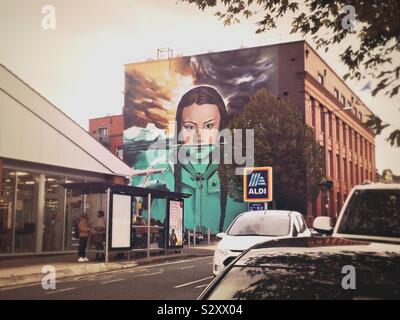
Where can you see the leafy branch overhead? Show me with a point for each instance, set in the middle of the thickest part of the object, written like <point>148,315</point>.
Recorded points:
<point>377,30</point>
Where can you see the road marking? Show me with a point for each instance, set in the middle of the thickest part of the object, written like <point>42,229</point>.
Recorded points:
<point>110,281</point>
<point>188,267</point>
<point>150,274</point>
<point>189,283</point>
<point>201,286</point>
<point>61,290</point>
<point>65,280</point>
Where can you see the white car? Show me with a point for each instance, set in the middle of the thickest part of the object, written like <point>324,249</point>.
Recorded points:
<point>252,227</point>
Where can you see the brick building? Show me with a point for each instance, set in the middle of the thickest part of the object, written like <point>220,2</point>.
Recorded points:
<point>109,131</point>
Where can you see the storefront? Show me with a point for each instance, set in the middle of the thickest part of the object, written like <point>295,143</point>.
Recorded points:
<point>40,150</point>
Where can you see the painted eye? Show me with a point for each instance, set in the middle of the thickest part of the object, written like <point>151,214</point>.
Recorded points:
<point>210,126</point>
<point>189,127</point>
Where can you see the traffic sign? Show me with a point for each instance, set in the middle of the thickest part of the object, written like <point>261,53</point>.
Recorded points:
<point>257,184</point>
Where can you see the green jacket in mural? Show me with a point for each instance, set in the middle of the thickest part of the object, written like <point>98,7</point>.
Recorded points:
<point>201,180</point>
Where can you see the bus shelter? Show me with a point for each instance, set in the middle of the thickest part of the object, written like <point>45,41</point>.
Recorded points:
<point>122,232</point>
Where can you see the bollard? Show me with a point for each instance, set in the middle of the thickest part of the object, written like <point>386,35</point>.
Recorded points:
<point>209,236</point>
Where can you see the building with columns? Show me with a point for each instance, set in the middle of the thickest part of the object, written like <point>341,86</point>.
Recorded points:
<point>336,114</point>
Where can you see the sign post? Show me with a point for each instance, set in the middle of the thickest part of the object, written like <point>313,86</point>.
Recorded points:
<point>257,185</point>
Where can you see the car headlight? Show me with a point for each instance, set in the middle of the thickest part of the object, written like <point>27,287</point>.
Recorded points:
<point>222,252</point>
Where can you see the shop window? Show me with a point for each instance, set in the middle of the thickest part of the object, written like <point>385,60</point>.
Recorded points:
<point>7,193</point>
<point>53,219</point>
<point>26,210</point>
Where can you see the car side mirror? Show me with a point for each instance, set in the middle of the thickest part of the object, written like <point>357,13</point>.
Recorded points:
<point>221,235</point>
<point>323,225</point>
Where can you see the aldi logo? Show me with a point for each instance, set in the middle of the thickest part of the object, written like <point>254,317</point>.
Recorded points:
<point>257,184</point>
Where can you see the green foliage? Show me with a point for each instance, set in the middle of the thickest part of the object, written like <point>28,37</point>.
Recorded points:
<point>283,141</point>
<point>378,33</point>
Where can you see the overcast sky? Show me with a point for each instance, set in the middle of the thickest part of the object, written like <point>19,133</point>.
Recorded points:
<point>79,66</point>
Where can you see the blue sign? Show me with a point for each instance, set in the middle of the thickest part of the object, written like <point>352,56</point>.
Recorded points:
<point>256,206</point>
<point>257,184</point>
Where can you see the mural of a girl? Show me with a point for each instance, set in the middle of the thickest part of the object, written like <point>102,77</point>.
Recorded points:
<point>201,114</point>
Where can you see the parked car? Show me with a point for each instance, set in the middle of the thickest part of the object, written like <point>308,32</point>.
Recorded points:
<point>253,227</point>
<point>361,260</point>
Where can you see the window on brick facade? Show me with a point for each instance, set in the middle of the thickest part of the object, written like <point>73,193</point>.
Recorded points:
<point>320,78</point>
<point>344,134</point>
<point>336,93</point>
<point>322,120</point>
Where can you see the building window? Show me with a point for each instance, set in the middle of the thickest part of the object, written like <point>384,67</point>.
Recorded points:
<point>343,101</point>
<point>356,142</point>
<point>119,152</point>
<point>351,139</point>
<point>53,219</point>
<point>349,106</point>
<point>344,134</point>
<point>351,173</point>
<point>7,211</point>
<point>338,167</point>
<point>103,132</point>
<point>337,130</point>
<point>330,121</point>
<point>361,146</point>
<point>370,152</point>
<point>336,93</point>
<point>312,106</point>
<point>357,175</point>
<point>331,165</point>
<point>320,78</point>
<point>366,149</point>
<point>26,210</point>
<point>322,119</point>
<point>345,176</point>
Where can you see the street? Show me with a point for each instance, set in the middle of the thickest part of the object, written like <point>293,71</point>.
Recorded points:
<point>178,280</point>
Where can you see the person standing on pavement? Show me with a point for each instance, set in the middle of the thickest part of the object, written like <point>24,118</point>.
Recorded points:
<point>83,237</point>
<point>100,234</point>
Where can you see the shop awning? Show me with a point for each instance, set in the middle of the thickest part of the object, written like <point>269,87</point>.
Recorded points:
<point>101,187</point>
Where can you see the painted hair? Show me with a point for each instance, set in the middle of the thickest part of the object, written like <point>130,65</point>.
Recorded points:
<point>200,95</point>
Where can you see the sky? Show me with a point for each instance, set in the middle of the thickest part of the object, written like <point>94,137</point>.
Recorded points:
<point>79,66</point>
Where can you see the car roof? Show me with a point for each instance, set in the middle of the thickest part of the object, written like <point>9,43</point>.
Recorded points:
<point>269,212</point>
<point>379,186</point>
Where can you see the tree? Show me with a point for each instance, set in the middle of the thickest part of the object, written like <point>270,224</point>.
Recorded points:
<point>283,141</point>
<point>378,32</point>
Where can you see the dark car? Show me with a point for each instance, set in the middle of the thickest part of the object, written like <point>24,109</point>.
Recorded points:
<point>310,268</point>
<point>360,260</point>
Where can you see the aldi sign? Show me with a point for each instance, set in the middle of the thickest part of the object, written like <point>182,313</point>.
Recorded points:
<point>257,184</point>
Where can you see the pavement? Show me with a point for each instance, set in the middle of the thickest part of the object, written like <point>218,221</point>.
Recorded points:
<point>18,271</point>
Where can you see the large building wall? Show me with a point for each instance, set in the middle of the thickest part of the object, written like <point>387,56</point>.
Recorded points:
<point>292,71</point>
<point>349,148</point>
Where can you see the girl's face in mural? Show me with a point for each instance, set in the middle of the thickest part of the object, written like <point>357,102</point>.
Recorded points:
<point>200,124</point>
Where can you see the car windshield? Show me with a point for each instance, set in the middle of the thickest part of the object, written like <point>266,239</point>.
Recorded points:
<point>273,225</point>
<point>372,213</point>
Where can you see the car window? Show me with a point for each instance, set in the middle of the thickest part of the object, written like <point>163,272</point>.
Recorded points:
<point>372,213</point>
<point>296,224</point>
<point>273,225</point>
<point>301,224</point>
